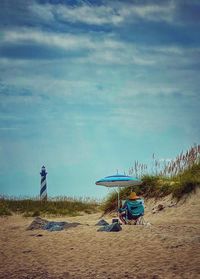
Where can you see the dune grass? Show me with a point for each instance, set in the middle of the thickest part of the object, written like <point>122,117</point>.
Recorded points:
<point>178,177</point>
<point>158,186</point>
<point>167,167</point>
<point>187,182</point>
<point>59,206</point>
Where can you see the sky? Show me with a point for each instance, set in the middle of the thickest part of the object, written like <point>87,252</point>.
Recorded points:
<point>88,87</point>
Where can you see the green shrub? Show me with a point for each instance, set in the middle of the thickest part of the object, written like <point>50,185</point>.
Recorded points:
<point>110,203</point>
<point>4,211</point>
<point>166,188</point>
<point>150,186</point>
<point>187,182</point>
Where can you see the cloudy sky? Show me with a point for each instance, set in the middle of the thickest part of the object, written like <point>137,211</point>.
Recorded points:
<point>88,87</point>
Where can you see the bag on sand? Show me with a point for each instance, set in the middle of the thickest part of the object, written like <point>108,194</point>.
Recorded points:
<point>102,222</point>
<point>115,227</point>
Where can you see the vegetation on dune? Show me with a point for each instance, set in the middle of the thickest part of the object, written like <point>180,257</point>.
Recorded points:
<point>187,182</point>
<point>56,207</point>
<point>179,178</point>
<point>4,211</point>
<point>167,167</point>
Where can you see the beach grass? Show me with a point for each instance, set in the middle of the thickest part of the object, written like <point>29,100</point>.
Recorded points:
<point>157,186</point>
<point>178,177</point>
<point>59,206</point>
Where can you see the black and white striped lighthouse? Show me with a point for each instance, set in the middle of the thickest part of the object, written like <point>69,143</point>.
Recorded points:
<point>43,186</point>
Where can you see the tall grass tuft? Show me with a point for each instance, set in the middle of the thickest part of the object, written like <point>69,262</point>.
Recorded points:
<point>167,167</point>
<point>178,177</point>
<point>4,210</point>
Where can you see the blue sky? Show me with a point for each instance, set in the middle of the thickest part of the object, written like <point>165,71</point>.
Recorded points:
<point>88,87</point>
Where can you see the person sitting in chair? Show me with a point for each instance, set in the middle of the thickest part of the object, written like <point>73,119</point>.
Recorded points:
<point>132,209</point>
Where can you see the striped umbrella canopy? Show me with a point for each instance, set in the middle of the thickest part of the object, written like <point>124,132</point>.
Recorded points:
<point>119,180</point>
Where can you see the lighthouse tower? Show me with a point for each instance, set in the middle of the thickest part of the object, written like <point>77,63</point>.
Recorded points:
<point>43,187</point>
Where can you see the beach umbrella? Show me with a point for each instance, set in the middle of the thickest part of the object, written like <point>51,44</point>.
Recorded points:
<point>118,181</point>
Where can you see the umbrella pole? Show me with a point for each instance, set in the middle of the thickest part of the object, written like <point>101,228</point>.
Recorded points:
<point>118,204</point>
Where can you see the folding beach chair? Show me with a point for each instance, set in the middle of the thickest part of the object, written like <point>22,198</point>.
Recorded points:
<point>133,213</point>
<point>138,221</point>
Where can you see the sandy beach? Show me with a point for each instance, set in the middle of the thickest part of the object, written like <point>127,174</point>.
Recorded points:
<point>168,248</point>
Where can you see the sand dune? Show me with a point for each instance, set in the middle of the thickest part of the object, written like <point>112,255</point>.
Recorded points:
<point>169,248</point>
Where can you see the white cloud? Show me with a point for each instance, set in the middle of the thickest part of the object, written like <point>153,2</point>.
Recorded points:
<point>60,40</point>
<point>65,41</point>
<point>98,15</point>
<point>89,14</point>
<point>44,12</point>
<point>105,49</point>
<point>102,49</point>
<point>151,12</point>
<point>113,14</point>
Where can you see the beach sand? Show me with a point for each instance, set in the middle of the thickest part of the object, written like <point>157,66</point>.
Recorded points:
<point>168,248</point>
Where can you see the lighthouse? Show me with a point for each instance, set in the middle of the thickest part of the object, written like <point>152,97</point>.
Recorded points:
<point>43,185</point>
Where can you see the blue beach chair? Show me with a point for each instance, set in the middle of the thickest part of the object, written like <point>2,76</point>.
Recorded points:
<point>135,212</point>
<point>132,211</point>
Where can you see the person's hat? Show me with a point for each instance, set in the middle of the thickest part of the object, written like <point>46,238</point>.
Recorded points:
<point>133,196</point>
